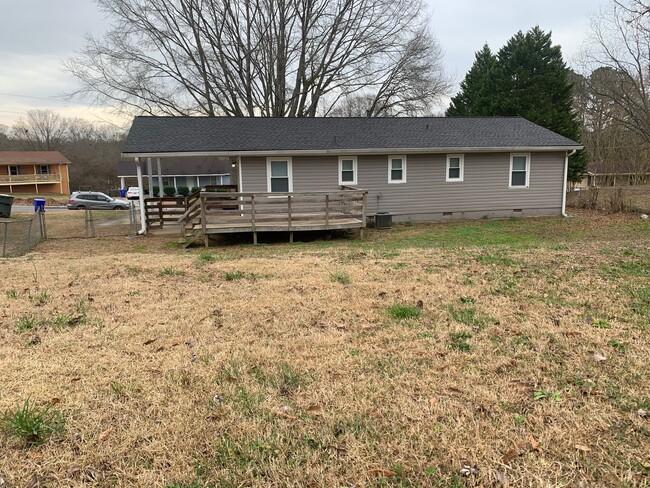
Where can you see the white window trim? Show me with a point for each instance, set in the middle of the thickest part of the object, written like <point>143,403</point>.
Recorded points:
<point>461,157</point>
<point>390,167</point>
<point>354,170</point>
<point>289,173</point>
<point>512,159</point>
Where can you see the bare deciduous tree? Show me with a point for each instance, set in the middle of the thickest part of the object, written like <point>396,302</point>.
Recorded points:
<point>262,57</point>
<point>618,56</point>
<point>40,130</point>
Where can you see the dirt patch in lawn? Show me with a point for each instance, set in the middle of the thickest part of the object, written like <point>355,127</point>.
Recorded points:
<point>329,364</point>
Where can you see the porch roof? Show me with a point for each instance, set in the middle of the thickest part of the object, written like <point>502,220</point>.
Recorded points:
<point>230,136</point>
<point>175,166</point>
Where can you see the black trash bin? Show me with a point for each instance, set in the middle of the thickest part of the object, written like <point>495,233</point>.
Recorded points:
<point>5,205</point>
<point>383,220</point>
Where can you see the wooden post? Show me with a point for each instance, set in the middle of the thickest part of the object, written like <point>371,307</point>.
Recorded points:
<point>253,219</point>
<point>160,212</point>
<point>364,216</point>
<point>203,227</point>
<point>327,211</point>
<point>289,218</point>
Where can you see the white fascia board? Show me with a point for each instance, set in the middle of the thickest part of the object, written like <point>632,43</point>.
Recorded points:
<point>358,152</point>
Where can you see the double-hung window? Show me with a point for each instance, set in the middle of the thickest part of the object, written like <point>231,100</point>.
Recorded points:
<point>396,169</point>
<point>347,170</point>
<point>14,171</point>
<point>455,167</point>
<point>519,170</point>
<point>279,177</point>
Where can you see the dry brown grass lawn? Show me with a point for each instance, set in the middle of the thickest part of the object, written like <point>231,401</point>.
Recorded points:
<point>283,365</point>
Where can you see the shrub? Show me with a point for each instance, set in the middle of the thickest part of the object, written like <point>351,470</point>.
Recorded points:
<point>33,424</point>
<point>169,191</point>
<point>156,191</point>
<point>183,190</point>
<point>195,189</point>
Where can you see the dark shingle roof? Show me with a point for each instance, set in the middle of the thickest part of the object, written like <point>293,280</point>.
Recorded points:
<point>235,134</point>
<point>179,166</point>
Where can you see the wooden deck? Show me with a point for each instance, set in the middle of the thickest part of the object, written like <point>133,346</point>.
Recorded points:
<point>229,212</point>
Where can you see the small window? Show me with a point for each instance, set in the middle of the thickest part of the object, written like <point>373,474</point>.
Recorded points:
<point>279,175</point>
<point>396,169</point>
<point>455,167</point>
<point>225,179</point>
<point>519,170</point>
<point>348,170</point>
<point>43,170</point>
<point>14,170</point>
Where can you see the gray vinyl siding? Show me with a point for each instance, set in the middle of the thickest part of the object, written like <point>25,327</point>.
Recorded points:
<point>426,195</point>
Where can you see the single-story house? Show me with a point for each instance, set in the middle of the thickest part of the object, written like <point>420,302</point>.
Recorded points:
<point>417,168</point>
<point>34,172</point>
<point>615,174</point>
<point>179,171</point>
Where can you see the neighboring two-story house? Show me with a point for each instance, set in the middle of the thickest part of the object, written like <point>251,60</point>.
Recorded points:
<point>38,172</point>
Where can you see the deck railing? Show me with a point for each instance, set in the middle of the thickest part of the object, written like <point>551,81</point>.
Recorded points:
<point>276,212</point>
<point>27,179</point>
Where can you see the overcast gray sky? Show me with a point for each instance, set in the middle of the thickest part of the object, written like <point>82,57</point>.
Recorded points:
<point>36,35</point>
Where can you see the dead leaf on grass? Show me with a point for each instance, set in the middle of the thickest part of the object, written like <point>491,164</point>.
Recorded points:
<point>599,358</point>
<point>54,401</point>
<point>534,444</point>
<point>381,472</point>
<point>76,378</point>
<point>581,447</point>
<point>34,482</point>
<point>315,410</point>
<point>149,341</point>
<point>514,452</point>
<point>105,435</point>
<point>285,415</point>
<point>642,413</point>
<point>433,401</point>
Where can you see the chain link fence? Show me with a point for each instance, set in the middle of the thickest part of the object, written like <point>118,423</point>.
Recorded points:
<point>87,223</point>
<point>17,236</point>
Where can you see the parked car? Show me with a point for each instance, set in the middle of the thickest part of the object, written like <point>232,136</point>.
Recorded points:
<point>133,193</point>
<point>95,200</point>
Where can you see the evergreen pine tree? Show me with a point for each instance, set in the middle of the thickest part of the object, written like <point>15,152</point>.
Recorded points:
<point>474,96</point>
<point>530,79</point>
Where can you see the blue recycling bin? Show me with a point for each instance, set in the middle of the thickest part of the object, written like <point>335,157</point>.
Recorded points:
<point>39,204</point>
<point>122,192</point>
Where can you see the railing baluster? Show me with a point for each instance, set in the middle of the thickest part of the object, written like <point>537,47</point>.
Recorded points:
<point>327,211</point>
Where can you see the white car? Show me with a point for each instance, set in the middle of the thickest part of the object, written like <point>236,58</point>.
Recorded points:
<point>133,193</point>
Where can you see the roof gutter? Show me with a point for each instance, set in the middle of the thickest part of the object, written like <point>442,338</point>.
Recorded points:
<point>343,152</point>
<point>566,174</point>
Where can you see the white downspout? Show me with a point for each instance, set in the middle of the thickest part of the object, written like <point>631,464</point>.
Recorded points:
<point>143,217</point>
<point>566,174</point>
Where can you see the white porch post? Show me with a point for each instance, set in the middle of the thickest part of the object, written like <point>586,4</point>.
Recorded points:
<point>122,182</point>
<point>143,217</point>
<point>160,183</point>
<point>150,175</point>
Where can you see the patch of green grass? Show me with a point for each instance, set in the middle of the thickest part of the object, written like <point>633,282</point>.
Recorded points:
<point>32,424</point>
<point>638,266</point>
<point>204,258</point>
<point>175,245</point>
<point>458,341</point>
<point>547,395</point>
<point>118,388</point>
<point>601,324</point>
<point>471,316</point>
<point>400,311</point>
<point>42,298</point>
<point>496,259</point>
<point>67,320</point>
<point>171,271</point>
<point>641,303</point>
<point>12,294</point>
<point>132,270</point>
<point>340,277</point>
<point>26,322</point>
<point>140,248</point>
<point>238,275</point>
<point>616,344</point>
